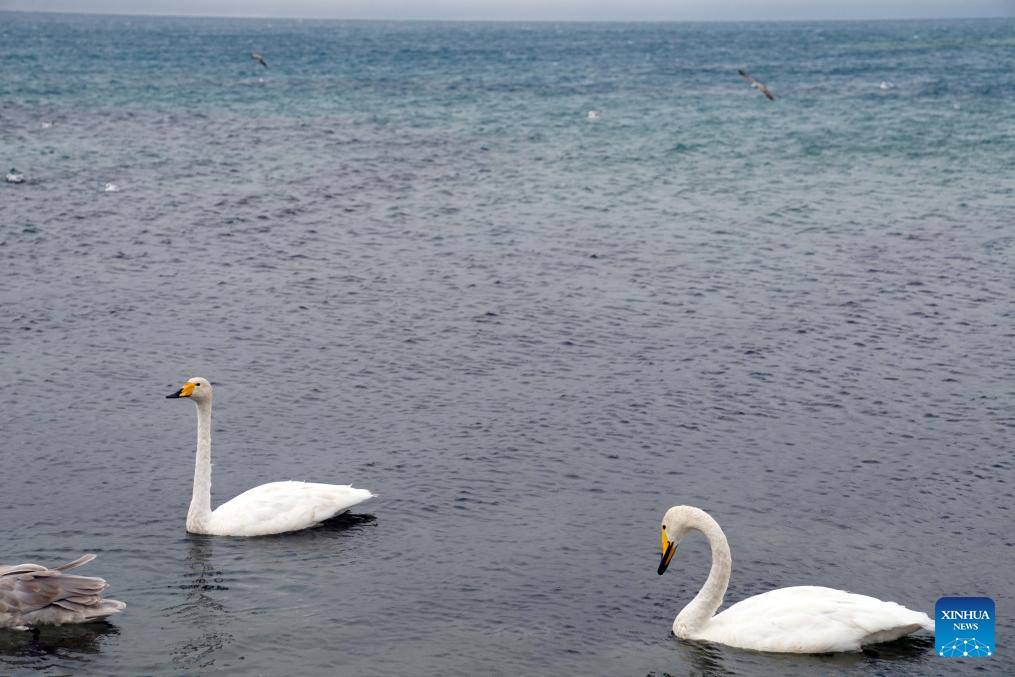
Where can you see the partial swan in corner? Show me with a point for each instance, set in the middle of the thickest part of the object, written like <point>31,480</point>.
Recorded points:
<point>272,508</point>
<point>802,619</point>
<point>756,85</point>
<point>32,595</point>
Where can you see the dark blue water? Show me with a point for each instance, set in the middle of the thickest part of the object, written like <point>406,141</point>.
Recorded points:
<point>409,260</point>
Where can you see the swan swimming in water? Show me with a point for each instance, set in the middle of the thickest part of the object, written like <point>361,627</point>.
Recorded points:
<point>273,508</point>
<point>31,595</point>
<point>801,619</point>
<point>14,176</point>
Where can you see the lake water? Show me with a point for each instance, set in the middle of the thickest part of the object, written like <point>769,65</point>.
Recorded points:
<point>408,259</point>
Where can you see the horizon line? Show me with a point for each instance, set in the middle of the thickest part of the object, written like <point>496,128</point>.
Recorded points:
<point>262,17</point>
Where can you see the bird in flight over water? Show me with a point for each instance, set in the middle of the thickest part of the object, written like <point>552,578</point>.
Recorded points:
<point>258,58</point>
<point>757,85</point>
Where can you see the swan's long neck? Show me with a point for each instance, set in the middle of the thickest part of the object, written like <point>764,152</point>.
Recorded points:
<point>200,501</point>
<point>708,600</point>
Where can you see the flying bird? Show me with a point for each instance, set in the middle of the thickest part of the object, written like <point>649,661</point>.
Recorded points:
<point>31,595</point>
<point>757,85</point>
<point>259,59</point>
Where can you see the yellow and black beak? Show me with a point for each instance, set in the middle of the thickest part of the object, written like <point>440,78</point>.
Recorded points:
<point>186,391</point>
<point>669,550</point>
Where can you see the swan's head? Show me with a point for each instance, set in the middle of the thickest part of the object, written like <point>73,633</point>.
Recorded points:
<point>677,522</point>
<point>197,389</point>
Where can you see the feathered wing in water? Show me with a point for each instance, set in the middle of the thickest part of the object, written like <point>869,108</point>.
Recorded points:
<point>273,508</point>
<point>802,619</point>
<point>32,595</point>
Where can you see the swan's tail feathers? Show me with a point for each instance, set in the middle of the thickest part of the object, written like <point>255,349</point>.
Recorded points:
<point>104,609</point>
<point>348,496</point>
<point>340,498</point>
<point>73,593</point>
<point>80,561</point>
<point>362,494</point>
<point>91,608</point>
<point>17,569</point>
<point>83,587</point>
<point>33,595</point>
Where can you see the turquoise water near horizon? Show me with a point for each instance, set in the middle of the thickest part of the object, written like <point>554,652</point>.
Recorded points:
<point>409,259</point>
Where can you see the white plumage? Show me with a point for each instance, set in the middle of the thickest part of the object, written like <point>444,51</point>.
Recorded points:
<point>278,507</point>
<point>802,619</point>
<point>273,508</point>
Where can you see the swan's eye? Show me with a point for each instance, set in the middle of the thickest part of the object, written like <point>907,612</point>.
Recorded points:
<point>198,385</point>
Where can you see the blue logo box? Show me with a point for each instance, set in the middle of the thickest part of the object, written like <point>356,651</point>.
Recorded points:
<point>964,627</point>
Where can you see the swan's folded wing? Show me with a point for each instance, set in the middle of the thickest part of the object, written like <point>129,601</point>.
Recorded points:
<point>80,561</point>
<point>20,569</point>
<point>812,619</point>
<point>31,595</point>
<point>27,592</point>
<point>278,507</point>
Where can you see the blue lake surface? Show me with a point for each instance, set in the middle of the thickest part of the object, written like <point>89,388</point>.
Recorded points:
<point>409,260</point>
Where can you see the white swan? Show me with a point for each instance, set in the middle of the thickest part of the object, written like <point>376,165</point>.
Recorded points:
<point>802,619</point>
<point>273,508</point>
<point>31,595</point>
